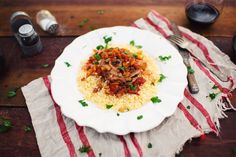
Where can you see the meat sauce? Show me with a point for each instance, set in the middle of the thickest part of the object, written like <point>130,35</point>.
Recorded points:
<point>119,70</point>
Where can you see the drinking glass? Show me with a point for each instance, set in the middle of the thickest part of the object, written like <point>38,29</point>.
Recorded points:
<point>203,11</point>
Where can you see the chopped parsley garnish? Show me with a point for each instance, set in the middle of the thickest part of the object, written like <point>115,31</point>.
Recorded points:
<point>181,155</point>
<point>83,22</point>
<point>132,43</point>
<point>140,117</point>
<point>83,103</point>
<point>132,87</point>
<point>149,145</point>
<point>108,106</point>
<point>155,99</point>
<point>27,128</point>
<point>92,28</point>
<point>11,93</point>
<point>5,125</point>
<point>190,70</point>
<point>99,47</point>
<point>118,114</point>
<point>212,96</point>
<point>162,77</point>
<point>107,40</point>
<point>121,68</point>
<point>234,151</point>
<point>84,149</point>
<point>100,12</point>
<point>45,65</point>
<point>67,64</point>
<point>96,62</point>
<point>188,107</point>
<point>97,56</point>
<point>164,58</point>
<point>135,55</point>
<point>215,87</point>
<point>139,46</point>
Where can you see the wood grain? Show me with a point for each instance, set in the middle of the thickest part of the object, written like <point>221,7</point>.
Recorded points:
<point>69,17</point>
<point>18,143</point>
<point>21,71</point>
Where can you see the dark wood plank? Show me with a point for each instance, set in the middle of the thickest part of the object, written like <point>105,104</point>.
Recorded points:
<point>102,2</point>
<point>18,143</point>
<point>21,71</point>
<point>69,16</point>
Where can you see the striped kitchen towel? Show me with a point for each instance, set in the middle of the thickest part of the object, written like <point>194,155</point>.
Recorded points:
<point>59,136</point>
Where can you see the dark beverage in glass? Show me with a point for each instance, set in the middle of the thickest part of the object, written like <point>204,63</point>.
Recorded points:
<point>203,11</point>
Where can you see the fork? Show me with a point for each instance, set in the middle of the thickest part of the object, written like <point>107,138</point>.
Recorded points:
<point>185,44</point>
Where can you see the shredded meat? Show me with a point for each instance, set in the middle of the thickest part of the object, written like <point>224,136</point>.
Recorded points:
<point>120,71</point>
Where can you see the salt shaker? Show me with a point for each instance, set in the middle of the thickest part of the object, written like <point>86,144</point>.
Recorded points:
<point>47,21</point>
<point>25,34</point>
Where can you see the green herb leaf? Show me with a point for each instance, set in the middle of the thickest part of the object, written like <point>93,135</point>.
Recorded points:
<point>67,64</point>
<point>96,62</point>
<point>107,40</point>
<point>92,28</point>
<point>27,129</point>
<point>215,87</point>
<point>190,70</point>
<point>135,55</point>
<point>122,68</point>
<point>139,46</point>
<point>164,58</point>
<point>162,77</point>
<point>155,99</point>
<point>181,155</point>
<point>132,87</point>
<point>132,43</point>
<point>84,149</point>
<point>5,125</point>
<point>45,65</point>
<point>83,22</point>
<point>99,47</point>
<point>11,93</point>
<point>234,151</point>
<point>100,12</point>
<point>188,107</point>
<point>108,106</point>
<point>212,95</point>
<point>140,117</point>
<point>149,145</point>
<point>97,56</point>
<point>83,103</point>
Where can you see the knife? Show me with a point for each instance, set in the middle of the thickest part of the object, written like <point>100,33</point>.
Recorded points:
<point>192,83</point>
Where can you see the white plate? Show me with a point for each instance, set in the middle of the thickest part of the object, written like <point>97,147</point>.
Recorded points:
<point>170,91</point>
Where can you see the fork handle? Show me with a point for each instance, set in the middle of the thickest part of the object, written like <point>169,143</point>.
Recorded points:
<point>192,83</point>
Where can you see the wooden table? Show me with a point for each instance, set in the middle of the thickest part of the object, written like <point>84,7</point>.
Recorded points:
<point>69,13</point>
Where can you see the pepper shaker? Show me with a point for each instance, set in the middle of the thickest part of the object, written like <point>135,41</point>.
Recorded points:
<point>25,34</point>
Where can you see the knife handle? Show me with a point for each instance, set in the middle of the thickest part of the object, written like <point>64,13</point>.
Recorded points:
<point>192,84</point>
<point>175,29</point>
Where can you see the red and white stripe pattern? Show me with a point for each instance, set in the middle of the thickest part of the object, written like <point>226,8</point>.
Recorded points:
<point>195,114</point>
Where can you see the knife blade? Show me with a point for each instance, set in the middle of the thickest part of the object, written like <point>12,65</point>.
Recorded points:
<point>192,83</point>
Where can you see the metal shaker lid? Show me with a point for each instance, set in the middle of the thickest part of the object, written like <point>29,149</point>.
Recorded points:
<point>26,30</point>
<point>17,19</point>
